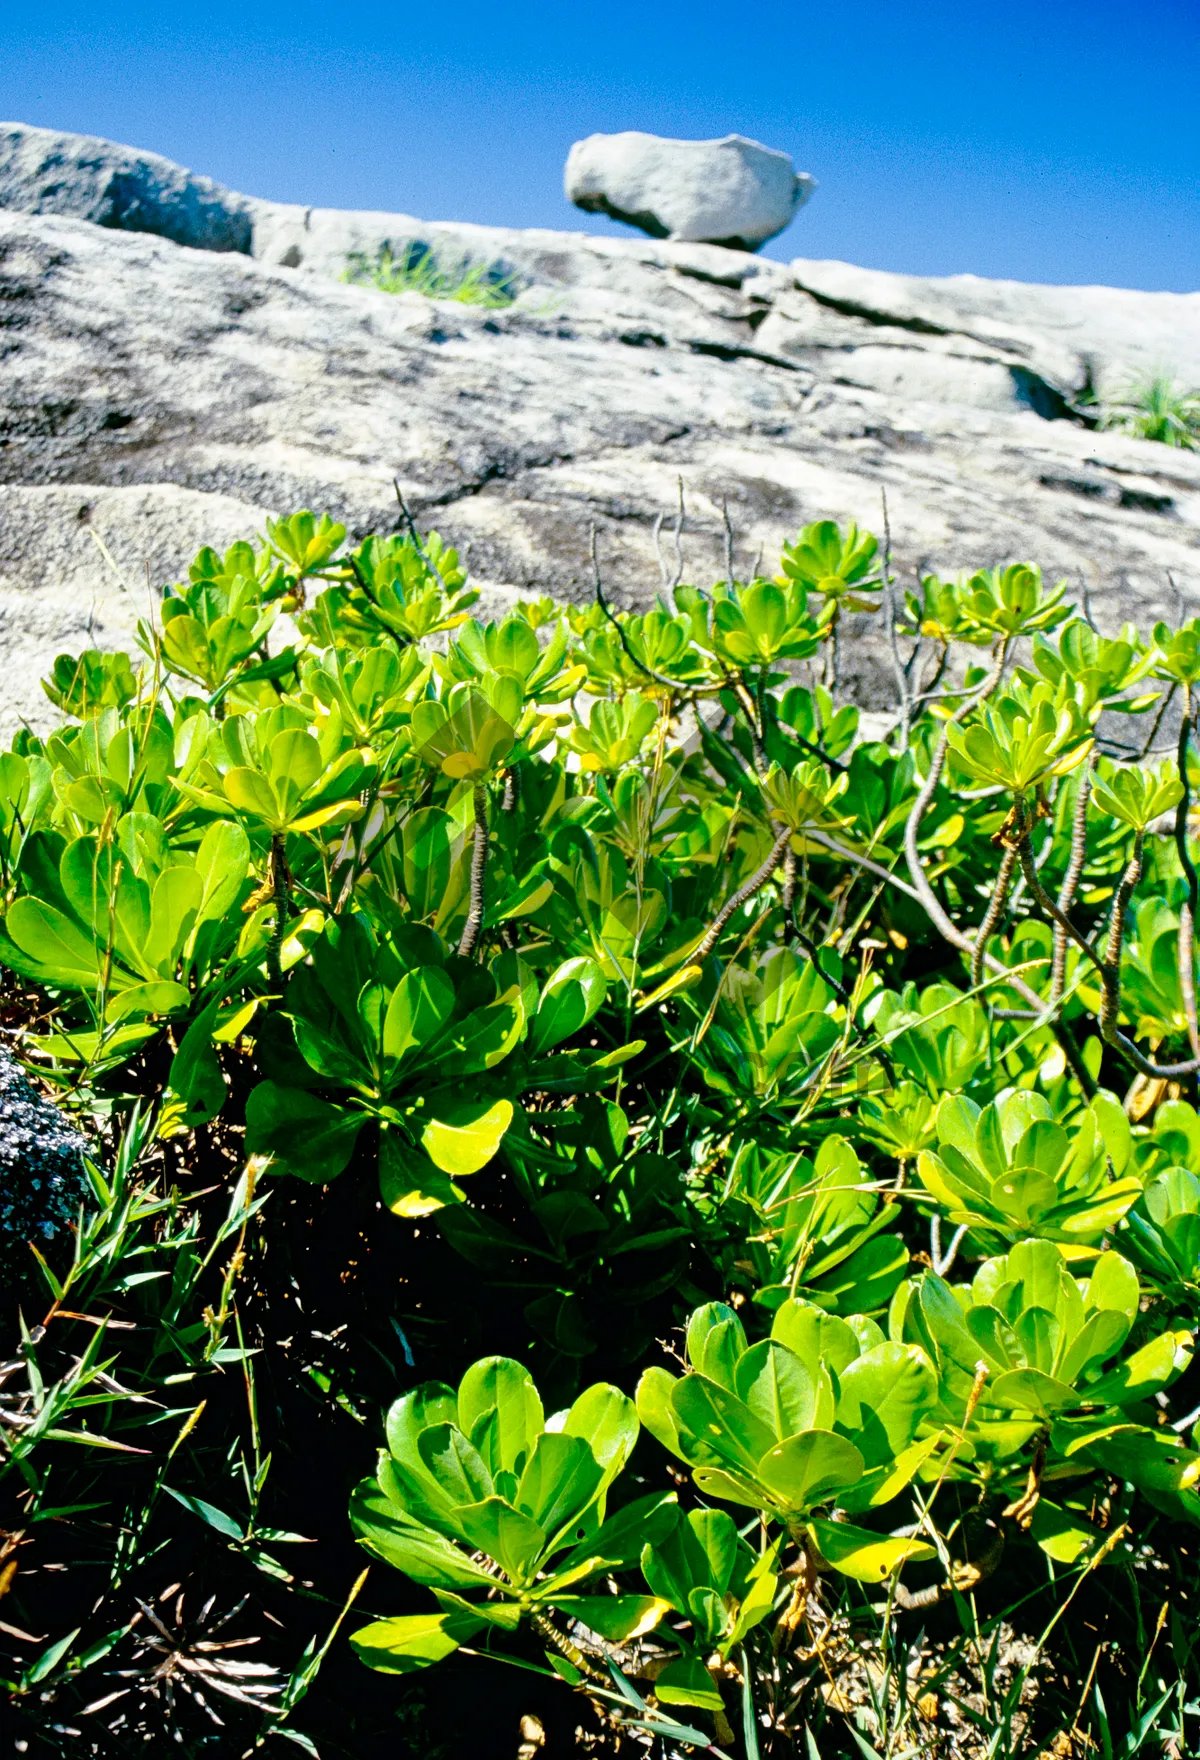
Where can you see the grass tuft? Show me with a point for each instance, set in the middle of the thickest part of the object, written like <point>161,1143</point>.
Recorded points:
<point>1158,408</point>
<point>417,269</point>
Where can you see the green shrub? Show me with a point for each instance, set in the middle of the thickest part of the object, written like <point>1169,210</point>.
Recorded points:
<point>568,985</point>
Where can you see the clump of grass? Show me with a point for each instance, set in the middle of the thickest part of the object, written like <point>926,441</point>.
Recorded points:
<point>417,269</point>
<point>1158,408</point>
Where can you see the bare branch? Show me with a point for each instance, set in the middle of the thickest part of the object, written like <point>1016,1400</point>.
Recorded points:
<point>1052,910</point>
<point>903,684</point>
<point>663,571</point>
<point>931,691</point>
<point>1116,935</point>
<point>1066,892</point>
<point>924,891</point>
<point>790,930</point>
<point>865,862</point>
<point>992,915</point>
<point>742,896</point>
<point>754,717</point>
<point>479,850</point>
<point>942,1262</point>
<point>1186,727</point>
<point>1164,701</point>
<point>1109,967</point>
<point>649,671</point>
<point>679,519</point>
<point>1186,954</point>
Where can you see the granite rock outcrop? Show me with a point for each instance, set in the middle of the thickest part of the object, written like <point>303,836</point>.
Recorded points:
<point>158,396</point>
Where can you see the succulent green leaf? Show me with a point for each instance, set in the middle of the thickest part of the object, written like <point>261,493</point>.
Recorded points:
<point>561,1479</point>
<point>883,1397</point>
<point>777,1388</point>
<point>402,1646</point>
<point>867,1557</point>
<point>810,1469</point>
<point>303,1134</point>
<point>716,1428</point>
<point>499,1409</point>
<point>687,1682</point>
<point>408,1545</point>
<point>513,1539</point>
<point>1033,1390</point>
<point>619,1618</point>
<point>464,1138</point>
<point>420,1006</point>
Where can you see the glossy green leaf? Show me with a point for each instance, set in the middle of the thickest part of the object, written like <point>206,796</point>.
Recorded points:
<point>777,1388</point>
<point>561,1479</point>
<point>410,1546</point>
<point>858,1553</point>
<point>1034,1390</point>
<point>1145,1373</point>
<point>619,1618</point>
<point>499,1409</point>
<point>687,1682</point>
<point>303,1134</point>
<point>402,1646</point>
<point>606,1419</point>
<point>570,998</point>
<point>716,1428</point>
<point>464,1138</point>
<point>513,1539</point>
<point>808,1470</point>
<point>883,1397</point>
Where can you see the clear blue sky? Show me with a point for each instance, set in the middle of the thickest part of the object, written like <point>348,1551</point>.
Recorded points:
<point>1046,140</point>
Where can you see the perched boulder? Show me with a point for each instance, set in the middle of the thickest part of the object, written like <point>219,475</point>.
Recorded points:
<point>734,192</point>
<point>41,1167</point>
<point>85,178</point>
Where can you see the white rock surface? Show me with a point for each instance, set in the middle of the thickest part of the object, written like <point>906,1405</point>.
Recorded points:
<point>80,565</point>
<point>733,192</point>
<point>43,171</point>
<point>180,395</point>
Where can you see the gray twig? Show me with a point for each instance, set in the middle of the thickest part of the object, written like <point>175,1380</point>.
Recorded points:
<point>942,1262</point>
<point>679,522</point>
<point>1066,892</point>
<point>903,674</point>
<point>728,539</point>
<point>479,849</point>
<point>742,896</point>
<point>663,571</point>
<point>649,671</point>
<point>1164,702</point>
<point>992,915</point>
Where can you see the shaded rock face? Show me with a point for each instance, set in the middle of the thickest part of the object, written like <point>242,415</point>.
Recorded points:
<point>44,172</point>
<point>733,192</point>
<point>41,1169</point>
<point>158,397</point>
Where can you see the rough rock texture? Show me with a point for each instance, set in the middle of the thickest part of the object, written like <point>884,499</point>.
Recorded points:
<point>733,192</point>
<point>142,379</point>
<point>45,172</point>
<point>80,565</point>
<point>41,1171</point>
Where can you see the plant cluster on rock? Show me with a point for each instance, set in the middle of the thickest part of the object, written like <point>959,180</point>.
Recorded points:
<point>597,1162</point>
